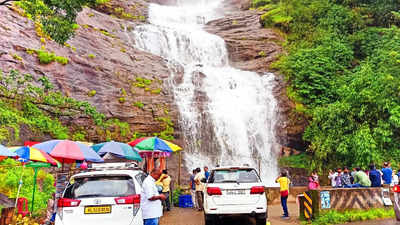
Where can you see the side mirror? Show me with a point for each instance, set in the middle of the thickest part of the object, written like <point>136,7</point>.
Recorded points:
<point>203,180</point>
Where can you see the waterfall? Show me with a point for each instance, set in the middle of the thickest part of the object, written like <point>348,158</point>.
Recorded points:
<point>228,115</point>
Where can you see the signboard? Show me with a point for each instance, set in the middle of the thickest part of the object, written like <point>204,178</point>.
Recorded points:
<point>325,200</point>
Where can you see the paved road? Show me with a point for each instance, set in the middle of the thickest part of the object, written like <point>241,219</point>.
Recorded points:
<point>180,216</point>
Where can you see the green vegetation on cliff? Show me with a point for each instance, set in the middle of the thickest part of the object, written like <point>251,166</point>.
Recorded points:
<point>343,68</point>
<point>32,104</point>
<point>57,18</point>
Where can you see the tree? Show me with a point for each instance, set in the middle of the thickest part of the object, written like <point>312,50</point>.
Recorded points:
<point>57,16</point>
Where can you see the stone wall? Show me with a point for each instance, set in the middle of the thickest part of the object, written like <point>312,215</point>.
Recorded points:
<point>339,198</point>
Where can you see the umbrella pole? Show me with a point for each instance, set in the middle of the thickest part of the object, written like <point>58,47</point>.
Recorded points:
<point>19,185</point>
<point>34,187</point>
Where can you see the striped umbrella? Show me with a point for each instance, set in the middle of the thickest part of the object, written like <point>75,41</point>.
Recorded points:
<point>26,154</point>
<point>5,152</point>
<point>154,146</point>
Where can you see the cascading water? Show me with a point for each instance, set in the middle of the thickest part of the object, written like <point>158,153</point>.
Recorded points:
<point>227,115</point>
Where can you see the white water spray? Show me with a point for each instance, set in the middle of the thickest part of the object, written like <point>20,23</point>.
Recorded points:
<point>228,115</point>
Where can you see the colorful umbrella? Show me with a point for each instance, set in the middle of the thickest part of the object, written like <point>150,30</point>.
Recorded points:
<point>154,144</point>
<point>69,151</point>
<point>118,149</point>
<point>32,154</point>
<point>5,152</point>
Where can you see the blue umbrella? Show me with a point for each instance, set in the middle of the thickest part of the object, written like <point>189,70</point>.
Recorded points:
<point>6,152</point>
<point>118,149</point>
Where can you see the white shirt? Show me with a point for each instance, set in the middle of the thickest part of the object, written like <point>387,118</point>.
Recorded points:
<point>333,177</point>
<point>150,209</point>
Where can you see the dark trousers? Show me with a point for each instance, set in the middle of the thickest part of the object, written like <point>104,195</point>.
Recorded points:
<point>167,203</point>
<point>284,206</point>
<point>199,198</point>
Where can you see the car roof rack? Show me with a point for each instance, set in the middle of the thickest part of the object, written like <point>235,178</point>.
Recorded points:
<point>114,166</point>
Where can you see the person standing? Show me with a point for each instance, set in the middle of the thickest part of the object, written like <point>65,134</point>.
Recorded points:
<point>387,173</point>
<point>284,190</point>
<point>193,189</point>
<point>165,180</point>
<point>151,199</point>
<point>374,176</point>
<point>199,188</point>
<point>206,173</point>
<point>361,179</point>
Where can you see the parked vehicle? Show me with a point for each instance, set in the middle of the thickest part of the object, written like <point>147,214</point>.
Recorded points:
<point>102,197</point>
<point>234,191</point>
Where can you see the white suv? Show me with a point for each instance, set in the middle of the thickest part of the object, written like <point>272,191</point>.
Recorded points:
<point>102,197</point>
<point>234,191</point>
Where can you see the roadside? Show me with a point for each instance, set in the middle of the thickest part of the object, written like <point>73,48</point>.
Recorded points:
<point>181,216</point>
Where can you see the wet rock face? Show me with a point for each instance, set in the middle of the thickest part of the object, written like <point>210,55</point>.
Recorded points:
<point>252,47</point>
<point>101,59</point>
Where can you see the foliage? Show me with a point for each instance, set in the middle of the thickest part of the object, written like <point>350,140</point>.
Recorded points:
<point>39,107</point>
<point>138,104</point>
<point>46,57</point>
<point>10,173</point>
<point>343,72</point>
<point>168,132</point>
<point>57,17</point>
<point>296,161</point>
<point>175,195</point>
<point>335,217</point>
<point>92,93</point>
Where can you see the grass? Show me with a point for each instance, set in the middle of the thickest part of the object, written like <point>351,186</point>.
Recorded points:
<point>334,217</point>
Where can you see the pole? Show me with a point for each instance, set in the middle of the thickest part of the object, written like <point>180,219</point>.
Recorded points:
<point>259,166</point>
<point>34,187</point>
<point>179,168</point>
<point>19,185</point>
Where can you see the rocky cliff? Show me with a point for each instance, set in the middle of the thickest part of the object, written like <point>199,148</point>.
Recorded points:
<point>102,68</point>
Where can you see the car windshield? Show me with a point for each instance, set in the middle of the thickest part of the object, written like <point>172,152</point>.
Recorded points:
<point>234,176</point>
<point>100,186</point>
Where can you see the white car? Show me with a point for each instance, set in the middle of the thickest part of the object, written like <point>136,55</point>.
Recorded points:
<point>234,191</point>
<point>102,197</point>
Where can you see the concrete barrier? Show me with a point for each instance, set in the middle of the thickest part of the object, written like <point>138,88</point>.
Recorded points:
<point>336,198</point>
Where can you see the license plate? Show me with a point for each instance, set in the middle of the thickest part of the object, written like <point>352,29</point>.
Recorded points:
<point>104,209</point>
<point>235,192</point>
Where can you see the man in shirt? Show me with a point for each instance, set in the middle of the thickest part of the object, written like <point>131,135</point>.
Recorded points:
<point>284,189</point>
<point>193,189</point>
<point>206,173</point>
<point>387,173</point>
<point>199,188</point>
<point>374,176</point>
<point>150,199</point>
<point>361,179</point>
<point>165,182</point>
